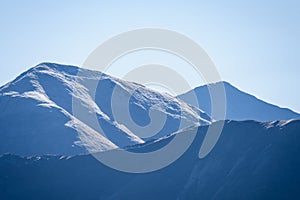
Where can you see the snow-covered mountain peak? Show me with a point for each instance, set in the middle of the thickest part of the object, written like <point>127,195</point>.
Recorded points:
<point>39,102</point>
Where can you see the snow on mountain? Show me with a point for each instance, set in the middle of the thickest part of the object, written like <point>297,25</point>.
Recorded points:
<point>252,160</point>
<point>36,112</point>
<point>240,105</point>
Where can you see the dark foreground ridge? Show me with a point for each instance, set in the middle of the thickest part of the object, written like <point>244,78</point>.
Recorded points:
<point>251,160</point>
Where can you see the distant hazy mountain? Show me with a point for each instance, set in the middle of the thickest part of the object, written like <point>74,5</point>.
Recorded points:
<point>36,112</point>
<point>240,105</point>
<point>252,160</point>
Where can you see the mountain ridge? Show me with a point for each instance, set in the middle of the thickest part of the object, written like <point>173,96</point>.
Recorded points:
<point>240,105</point>
<point>252,160</point>
<point>39,103</point>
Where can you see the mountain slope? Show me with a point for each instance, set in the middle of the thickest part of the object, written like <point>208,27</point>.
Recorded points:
<point>240,105</point>
<point>252,160</point>
<point>37,115</point>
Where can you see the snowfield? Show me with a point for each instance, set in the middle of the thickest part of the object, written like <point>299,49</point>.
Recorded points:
<point>36,112</point>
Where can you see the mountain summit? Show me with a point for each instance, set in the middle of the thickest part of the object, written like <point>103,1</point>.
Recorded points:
<point>240,105</point>
<point>37,116</point>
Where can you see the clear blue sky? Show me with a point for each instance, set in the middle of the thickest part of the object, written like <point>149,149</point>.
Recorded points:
<point>254,44</point>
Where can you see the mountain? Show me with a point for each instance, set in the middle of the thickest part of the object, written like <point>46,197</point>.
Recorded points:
<point>252,160</point>
<point>240,105</point>
<point>37,112</point>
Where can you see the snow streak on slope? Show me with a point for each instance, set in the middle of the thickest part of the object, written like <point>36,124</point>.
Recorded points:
<point>36,112</point>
